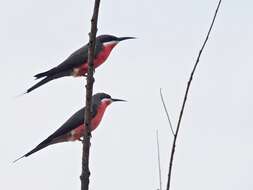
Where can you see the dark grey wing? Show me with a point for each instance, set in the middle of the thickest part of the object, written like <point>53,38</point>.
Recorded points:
<point>73,122</point>
<point>76,59</point>
<point>80,56</point>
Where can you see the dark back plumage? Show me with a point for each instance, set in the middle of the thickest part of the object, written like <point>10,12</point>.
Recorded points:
<point>73,122</point>
<point>78,118</point>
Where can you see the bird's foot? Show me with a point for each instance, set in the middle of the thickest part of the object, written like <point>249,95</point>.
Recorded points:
<point>81,140</point>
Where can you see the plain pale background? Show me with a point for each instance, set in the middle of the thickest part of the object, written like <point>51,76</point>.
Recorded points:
<point>214,149</point>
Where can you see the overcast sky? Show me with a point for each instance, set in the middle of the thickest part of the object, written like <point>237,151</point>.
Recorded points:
<point>214,149</point>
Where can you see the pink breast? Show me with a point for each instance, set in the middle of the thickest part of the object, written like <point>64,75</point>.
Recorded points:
<point>99,59</point>
<point>100,112</point>
<point>79,131</point>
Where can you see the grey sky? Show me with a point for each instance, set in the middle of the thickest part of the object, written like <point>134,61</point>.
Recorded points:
<point>214,150</point>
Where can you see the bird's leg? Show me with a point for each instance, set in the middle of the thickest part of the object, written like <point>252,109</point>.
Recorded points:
<point>89,134</point>
<point>81,140</point>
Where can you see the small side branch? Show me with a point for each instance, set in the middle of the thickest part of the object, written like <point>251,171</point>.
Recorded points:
<point>89,90</point>
<point>186,95</point>
<point>167,113</point>
<point>158,160</point>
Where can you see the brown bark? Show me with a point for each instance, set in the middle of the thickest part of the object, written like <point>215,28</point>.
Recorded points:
<point>89,90</point>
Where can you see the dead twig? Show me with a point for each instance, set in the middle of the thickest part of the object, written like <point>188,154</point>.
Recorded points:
<point>159,161</point>
<point>167,113</point>
<point>186,95</point>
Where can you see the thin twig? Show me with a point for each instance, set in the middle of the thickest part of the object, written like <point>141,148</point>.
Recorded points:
<point>186,95</point>
<point>159,161</point>
<point>166,111</point>
<point>89,90</point>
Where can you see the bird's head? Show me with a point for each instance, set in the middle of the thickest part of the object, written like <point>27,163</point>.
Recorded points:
<point>112,40</point>
<point>104,98</point>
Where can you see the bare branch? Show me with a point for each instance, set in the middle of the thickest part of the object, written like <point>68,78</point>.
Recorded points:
<point>166,111</point>
<point>158,159</point>
<point>89,90</point>
<point>186,95</point>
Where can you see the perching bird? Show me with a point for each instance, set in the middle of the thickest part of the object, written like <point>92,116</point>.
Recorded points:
<point>73,128</point>
<point>77,63</point>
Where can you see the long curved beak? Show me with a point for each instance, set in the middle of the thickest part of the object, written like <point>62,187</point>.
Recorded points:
<point>118,100</point>
<point>125,38</point>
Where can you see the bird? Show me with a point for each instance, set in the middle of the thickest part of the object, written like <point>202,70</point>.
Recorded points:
<point>73,129</point>
<point>76,64</point>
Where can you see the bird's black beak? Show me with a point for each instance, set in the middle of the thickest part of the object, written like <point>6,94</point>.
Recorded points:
<point>117,100</point>
<point>125,38</point>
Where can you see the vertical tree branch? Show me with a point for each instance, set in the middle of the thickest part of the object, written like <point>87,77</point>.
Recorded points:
<point>89,89</point>
<point>159,161</point>
<point>186,95</point>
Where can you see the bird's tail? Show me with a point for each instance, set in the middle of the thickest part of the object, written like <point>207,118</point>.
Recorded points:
<point>42,145</point>
<point>47,79</point>
<point>40,75</point>
<point>46,73</point>
<point>43,81</point>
